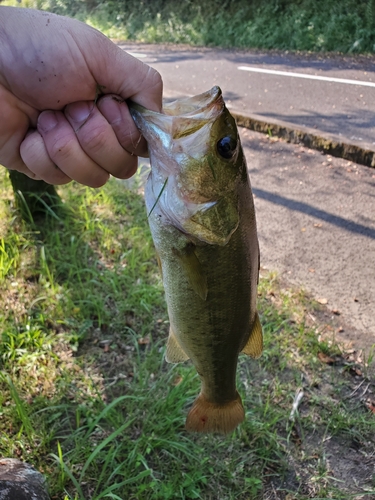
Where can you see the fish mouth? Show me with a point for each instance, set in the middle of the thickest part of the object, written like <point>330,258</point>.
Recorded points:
<point>199,105</point>
<point>181,117</point>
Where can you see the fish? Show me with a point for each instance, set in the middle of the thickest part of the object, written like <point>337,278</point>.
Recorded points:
<point>202,219</point>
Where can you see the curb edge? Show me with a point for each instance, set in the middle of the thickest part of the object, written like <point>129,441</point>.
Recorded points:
<point>308,137</point>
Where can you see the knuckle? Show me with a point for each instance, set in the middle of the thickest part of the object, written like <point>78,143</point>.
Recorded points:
<point>62,147</point>
<point>92,139</point>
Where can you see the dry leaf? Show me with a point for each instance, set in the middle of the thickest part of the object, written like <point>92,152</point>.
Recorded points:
<point>144,341</point>
<point>322,301</point>
<point>325,359</point>
<point>177,381</point>
<point>355,371</point>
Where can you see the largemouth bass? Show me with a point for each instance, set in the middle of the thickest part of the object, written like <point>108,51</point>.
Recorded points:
<point>202,219</point>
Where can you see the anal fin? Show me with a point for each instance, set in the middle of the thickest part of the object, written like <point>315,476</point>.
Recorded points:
<point>174,353</point>
<point>254,345</point>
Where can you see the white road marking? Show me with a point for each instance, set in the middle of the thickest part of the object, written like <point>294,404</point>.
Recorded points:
<point>138,55</point>
<point>303,75</point>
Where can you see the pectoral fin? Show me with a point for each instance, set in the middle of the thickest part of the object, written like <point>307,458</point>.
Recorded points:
<point>193,270</point>
<point>254,345</point>
<point>175,353</point>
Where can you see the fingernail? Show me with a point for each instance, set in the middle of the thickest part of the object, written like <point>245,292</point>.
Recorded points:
<point>79,111</point>
<point>110,109</point>
<point>47,121</point>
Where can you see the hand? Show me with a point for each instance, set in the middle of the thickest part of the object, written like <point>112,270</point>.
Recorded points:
<point>52,125</point>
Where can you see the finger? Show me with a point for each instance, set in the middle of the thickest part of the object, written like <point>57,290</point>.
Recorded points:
<point>15,121</point>
<point>34,154</point>
<point>11,159</point>
<point>65,151</point>
<point>98,139</point>
<point>24,170</point>
<point>117,113</point>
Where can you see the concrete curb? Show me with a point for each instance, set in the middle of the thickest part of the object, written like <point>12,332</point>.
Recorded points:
<point>329,144</point>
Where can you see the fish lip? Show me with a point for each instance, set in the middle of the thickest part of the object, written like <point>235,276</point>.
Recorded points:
<point>195,105</point>
<point>200,109</point>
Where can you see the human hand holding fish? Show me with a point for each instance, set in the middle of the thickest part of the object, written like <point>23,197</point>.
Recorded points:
<point>54,124</point>
<point>202,219</point>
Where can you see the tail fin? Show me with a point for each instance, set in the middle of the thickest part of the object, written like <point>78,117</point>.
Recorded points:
<point>205,416</point>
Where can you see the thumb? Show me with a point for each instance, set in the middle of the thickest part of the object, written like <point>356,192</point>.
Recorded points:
<point>117,72</point>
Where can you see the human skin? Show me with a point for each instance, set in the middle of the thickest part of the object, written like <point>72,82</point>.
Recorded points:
<point>53,126</point>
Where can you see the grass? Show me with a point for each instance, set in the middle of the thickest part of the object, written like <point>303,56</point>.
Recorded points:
<point>87,398</point>
<point>346,26</point>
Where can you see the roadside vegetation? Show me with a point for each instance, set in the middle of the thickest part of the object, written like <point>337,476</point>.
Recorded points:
<point>323,25</point>
<point>87,398</point>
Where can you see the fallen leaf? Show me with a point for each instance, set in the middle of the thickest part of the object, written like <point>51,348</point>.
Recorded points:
<point>144,341</point>
<point>322,301</point>
<point>177,381</point>
<point>355,371</point>
<point>325,359</point>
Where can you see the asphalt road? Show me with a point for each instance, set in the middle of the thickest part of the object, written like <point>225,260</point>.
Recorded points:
<point>339,108</point>
<point>316,214</point>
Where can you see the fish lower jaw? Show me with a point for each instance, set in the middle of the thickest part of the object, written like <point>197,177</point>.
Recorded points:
<point>208,417</point>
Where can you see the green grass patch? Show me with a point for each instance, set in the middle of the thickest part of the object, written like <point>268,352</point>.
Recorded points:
<point>87,398</point>
<point>323,25</point>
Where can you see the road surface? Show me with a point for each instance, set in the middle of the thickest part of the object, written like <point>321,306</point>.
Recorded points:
<point>336,95</point>
<point>316,213</point>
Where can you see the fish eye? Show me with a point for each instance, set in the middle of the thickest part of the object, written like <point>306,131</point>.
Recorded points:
<point>226,147</point>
